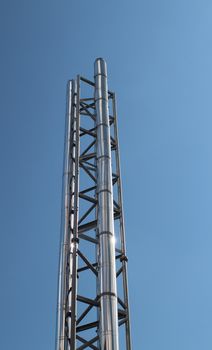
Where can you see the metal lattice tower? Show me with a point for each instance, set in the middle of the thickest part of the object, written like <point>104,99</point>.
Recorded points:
<point>93,308</point>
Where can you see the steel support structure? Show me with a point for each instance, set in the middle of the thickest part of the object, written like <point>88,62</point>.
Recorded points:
<point>93,305</point>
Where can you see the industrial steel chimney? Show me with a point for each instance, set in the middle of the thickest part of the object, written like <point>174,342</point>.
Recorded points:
<point>92,287</point>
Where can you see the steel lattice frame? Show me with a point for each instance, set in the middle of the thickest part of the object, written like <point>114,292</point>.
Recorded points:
<point>78,305</point>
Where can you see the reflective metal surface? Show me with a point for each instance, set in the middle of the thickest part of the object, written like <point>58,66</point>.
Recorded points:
<point>108,330</point>
<point>67,222</point>
<point>90,261</point>
<point>64,228</point>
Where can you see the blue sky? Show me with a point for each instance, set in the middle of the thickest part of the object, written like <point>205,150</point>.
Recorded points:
<point>159,56</point>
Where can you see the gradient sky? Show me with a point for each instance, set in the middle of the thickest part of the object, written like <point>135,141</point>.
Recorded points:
<point>159,55</point>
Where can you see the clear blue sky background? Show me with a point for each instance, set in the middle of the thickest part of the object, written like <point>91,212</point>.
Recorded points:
<point>159,56</point>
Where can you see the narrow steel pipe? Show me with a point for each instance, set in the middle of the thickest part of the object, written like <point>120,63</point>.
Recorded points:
<point>108,331</point>
<point>64,236</point>
<point>75,210</point>
<point>122,228</point>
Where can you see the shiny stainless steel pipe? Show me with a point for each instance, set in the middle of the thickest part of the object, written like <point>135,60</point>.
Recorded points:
<point>105,223</point>
<point>64,281</point>
<point>61,310</point>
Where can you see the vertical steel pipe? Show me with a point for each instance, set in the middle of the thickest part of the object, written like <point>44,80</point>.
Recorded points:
<point>105,223</point>
<point>75,210</point>
<point>122,228</point>
<point>64,239</point>
<point>68,247</point>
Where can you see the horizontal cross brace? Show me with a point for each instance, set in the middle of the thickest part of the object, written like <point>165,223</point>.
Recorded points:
<point>87,198</point>
<point>87,326</point>
<point>92,224</point>
<point>87,300</point>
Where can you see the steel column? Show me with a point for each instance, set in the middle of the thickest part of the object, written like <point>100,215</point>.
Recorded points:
<point>105,222</point>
